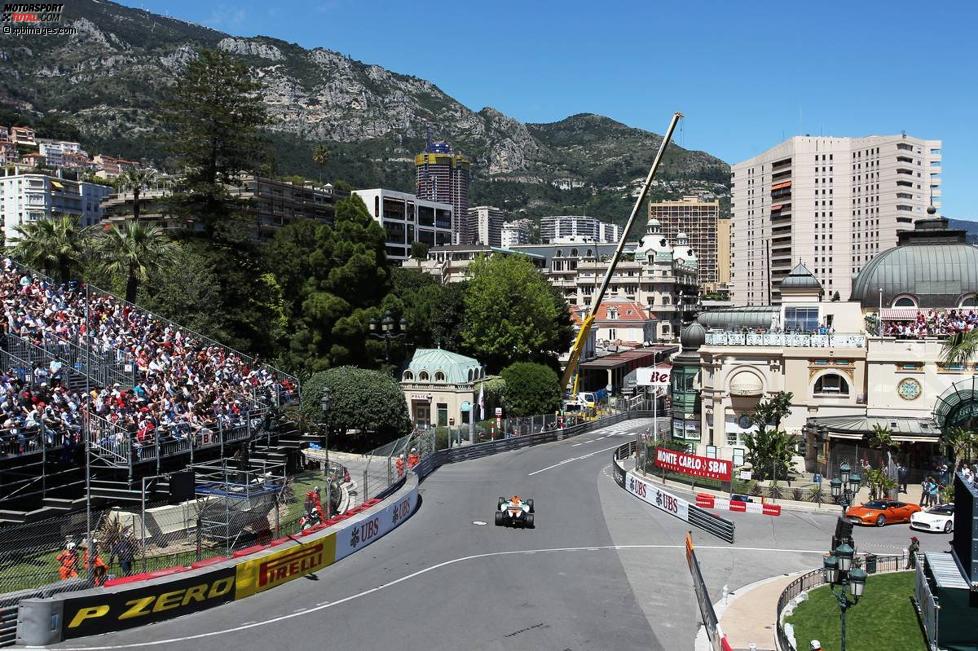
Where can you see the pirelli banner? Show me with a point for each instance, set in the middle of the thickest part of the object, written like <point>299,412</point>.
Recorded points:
<point>115,611</point>
<point>271,570</point>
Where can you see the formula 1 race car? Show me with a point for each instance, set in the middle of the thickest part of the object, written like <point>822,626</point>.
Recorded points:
<point>514,511</point>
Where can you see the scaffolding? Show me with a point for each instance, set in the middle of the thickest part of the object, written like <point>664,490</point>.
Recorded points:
<point>236,500</point>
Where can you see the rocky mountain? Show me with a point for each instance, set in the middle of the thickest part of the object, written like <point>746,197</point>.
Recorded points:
<point>108,80</point>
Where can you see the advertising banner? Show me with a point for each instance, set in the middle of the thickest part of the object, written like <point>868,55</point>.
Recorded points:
<point>363,532</point>
<point>114,611</point>
<point>619,474</point>
<point>648,492</point>
<point>653,376</point>
<point>691,464</point>
<point>267,572</point>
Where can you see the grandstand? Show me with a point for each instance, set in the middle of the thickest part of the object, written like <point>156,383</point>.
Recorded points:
<point>154,397</point>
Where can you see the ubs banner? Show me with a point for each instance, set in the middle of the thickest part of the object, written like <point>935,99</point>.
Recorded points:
<point>362,533</point>
<point>281,567</point>
<point>691,464</point>
<point>110,611</point>
<point>660,499</point>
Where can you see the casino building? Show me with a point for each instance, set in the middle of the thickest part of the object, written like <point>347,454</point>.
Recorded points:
<point>843,363</point>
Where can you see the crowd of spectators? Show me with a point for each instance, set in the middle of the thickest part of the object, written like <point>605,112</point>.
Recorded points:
<point>183,385</point>
<point>933,324</point>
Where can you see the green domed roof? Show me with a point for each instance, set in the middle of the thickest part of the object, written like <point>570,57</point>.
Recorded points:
<point>936,267</point>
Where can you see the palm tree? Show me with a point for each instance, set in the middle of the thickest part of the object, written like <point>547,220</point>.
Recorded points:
<point>55,246</point>
<point>136,251</point>
<point>881,439</point>
<point>135,180</point>
<point>961,441</point>
<point>320,156</point>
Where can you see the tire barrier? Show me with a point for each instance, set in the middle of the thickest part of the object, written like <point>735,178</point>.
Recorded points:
<point>647,491</point>
<point>707,501</point>
<point>187,590</point>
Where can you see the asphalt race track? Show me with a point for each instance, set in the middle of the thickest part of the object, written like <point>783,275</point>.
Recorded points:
<point>602,570</point>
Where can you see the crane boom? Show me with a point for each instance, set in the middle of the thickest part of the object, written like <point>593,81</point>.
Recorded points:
<point>573,362</point>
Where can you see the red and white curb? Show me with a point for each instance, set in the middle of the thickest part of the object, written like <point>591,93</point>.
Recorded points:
<point>706,501</point>
<point>724,644</point>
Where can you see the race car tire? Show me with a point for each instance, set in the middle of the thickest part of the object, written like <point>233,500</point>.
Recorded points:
<point>529,520</point>
<point>499,517</point>
<point>529,504</point>
<point>500,502</point>
<point>880,521</point>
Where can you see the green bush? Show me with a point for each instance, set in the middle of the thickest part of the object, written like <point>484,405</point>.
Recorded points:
<point>531,389</point>
<point>368,401</point>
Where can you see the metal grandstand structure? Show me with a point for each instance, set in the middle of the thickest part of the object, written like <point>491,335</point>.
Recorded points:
<point>237,498</point>
<point>84,364</point>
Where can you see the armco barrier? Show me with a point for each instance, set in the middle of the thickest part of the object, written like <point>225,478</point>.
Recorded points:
<point>647,491</point>
<point>102,610</point>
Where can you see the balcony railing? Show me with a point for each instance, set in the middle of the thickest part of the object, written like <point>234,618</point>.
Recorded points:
<point>786,340</point>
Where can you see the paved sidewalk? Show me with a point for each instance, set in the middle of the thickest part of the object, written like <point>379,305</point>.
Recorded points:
<point>749,616</point>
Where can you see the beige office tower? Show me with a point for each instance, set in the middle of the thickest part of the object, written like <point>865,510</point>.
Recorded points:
<point>697,219</point>
<point>830,203</point>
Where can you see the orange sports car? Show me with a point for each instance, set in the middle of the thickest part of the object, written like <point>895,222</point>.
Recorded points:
<point>879,513</point>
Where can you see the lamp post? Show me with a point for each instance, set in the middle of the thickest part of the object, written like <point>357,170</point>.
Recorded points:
<point>844,580</point>
<point>387,329</point>
<point>845,486</point>
<point>325,403</point>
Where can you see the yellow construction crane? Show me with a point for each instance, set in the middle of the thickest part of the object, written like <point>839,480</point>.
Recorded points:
<point>572,371</point>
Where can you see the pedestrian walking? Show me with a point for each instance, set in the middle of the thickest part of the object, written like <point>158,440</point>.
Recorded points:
<point>124,549</point>
<point>903,474</point>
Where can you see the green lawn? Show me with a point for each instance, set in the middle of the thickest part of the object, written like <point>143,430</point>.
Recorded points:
<point>884,618</point>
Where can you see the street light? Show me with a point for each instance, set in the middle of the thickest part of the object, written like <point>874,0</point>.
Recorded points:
<point>845,487</point>
<point>387,329</point>
<point>325,403</point>
<point>838,572</point>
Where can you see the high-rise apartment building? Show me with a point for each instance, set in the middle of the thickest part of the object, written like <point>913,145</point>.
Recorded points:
<point>486,224</point>
<point>444,177</point>
<point>830,203</point>
<point>723,253</point>
<point>516,232</point>
<point>698,220</point>
<point>34,197</point>
<point>561,227</point>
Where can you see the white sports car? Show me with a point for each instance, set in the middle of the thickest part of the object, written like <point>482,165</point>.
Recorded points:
<point>514,511</point>
<point>936,518</point>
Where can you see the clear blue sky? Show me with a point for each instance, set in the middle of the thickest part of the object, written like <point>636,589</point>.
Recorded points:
<point>745,73</point>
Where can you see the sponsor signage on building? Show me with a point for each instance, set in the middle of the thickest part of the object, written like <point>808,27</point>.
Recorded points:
<point>653,376</point>
<point>154,602</point>
<point>267,572</point>
<point>660,499</point>
<point>691,464</point>
<point>363,532</point>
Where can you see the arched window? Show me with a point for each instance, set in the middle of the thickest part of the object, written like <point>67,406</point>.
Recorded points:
<point>439,376</point>
<point>831,385</point>
<point>968,301</point>
<point>573,253</point>
<point>423,376</point>
<point>560,253</point>
<point>905,300</point>
<point>470,375</point>
<point>590,253</point>
<point>408,375</point>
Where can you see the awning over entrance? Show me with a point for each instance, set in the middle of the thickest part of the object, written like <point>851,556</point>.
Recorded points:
<point>466,406</point>
<point>904,430</point>
<point>746,384</point>
<point>958,405</point>
<point>900,313</point>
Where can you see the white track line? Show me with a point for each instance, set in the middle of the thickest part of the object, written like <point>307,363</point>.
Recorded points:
<point>585,456</point>
<point>455,561</point>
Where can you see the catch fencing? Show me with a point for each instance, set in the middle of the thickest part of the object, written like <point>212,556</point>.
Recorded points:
<point>883,563</point>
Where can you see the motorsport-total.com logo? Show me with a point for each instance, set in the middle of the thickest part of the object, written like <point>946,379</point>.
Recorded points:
<point>34,19</point>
